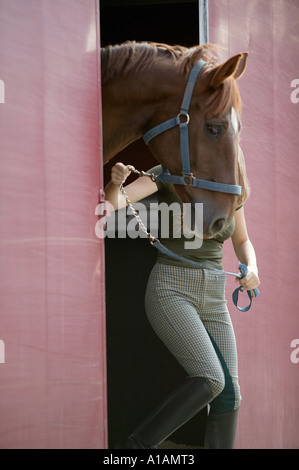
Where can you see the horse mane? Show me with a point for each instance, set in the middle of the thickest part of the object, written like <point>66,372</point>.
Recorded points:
<point>131,56</point>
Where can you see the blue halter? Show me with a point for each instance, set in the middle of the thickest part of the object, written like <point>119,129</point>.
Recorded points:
<point>182,120</point>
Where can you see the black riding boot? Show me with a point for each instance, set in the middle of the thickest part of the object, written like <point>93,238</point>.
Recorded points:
<point>221,430</point>
<point>180,406</point>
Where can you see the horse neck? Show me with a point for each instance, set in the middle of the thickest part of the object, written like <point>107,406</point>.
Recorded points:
<point>131,103</point>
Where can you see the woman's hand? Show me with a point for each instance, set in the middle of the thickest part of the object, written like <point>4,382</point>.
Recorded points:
<point>120,172</point>
<point>251,280</point>
<point>136,191</point>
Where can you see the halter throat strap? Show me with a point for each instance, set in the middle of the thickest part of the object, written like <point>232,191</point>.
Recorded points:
<point>182,120</point>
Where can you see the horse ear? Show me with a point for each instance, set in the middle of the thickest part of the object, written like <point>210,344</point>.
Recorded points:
<point>241,65</point>
<point>233,67</point>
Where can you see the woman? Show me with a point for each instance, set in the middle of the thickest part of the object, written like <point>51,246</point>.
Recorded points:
<point>186,307</point>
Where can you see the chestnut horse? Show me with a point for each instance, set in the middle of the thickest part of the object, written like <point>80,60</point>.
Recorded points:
<point>143,85</point>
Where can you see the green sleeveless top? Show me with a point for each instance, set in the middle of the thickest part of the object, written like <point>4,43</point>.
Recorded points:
<point>210,253</point>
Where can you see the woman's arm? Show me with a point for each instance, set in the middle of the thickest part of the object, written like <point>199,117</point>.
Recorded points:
<point>139,189</point>
<point>245,251</point>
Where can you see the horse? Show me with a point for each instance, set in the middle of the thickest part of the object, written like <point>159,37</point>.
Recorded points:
<point>143,84</point>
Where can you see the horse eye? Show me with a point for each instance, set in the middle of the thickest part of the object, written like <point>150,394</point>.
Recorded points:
<point>214,129</point>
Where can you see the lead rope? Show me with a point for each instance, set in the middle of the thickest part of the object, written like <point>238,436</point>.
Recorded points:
<point>151,238</point>
<point>155,242</point>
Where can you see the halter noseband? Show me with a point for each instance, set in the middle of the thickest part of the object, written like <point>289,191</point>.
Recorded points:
<point>182,120</point>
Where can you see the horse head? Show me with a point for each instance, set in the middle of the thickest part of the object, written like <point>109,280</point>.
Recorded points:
<point>142,87</point>
<point>214,131</point>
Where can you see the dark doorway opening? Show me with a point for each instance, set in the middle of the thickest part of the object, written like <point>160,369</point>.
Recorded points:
<point>140,369</point>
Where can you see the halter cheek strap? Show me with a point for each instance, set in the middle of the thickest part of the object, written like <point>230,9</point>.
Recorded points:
<point>182,120</point>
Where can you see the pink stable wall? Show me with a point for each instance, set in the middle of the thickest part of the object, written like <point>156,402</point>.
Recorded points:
<point>269,30</point>
<point>52,305</point>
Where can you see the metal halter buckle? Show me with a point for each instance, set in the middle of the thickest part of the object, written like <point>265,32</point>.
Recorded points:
<point>189,179</point>
<point>184,115</point>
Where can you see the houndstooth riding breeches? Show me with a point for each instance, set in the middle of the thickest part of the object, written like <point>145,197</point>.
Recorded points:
<point>188,311</point>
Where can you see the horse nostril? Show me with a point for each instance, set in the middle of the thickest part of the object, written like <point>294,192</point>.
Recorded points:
<point>218,225</point>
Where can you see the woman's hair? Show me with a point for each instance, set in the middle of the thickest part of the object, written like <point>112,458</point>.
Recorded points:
<point>243,180</point>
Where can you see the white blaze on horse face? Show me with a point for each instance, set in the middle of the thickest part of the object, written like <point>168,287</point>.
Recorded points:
<point>234,120</point>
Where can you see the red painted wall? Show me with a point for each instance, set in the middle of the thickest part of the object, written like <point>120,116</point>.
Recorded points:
<point>268,29</point>
<point>52,305</point>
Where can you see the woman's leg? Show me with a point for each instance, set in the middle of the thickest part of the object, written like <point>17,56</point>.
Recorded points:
<point>178,407</point>
<point>172,309</point>
<point>174,318</point>
<point>222,419</point>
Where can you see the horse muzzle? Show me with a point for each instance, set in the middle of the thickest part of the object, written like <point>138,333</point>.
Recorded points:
<point>214,226</point>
